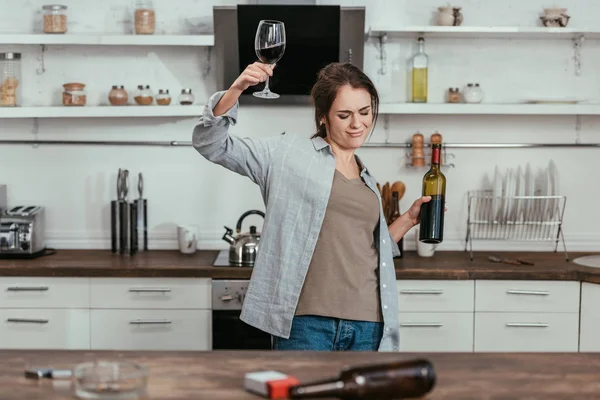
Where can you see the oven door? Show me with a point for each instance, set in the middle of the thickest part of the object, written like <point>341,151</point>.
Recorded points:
<point>229,332</point>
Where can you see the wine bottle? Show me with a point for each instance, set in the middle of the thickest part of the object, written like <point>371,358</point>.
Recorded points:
<point>432,213</point>
<point>395,215</point>
<point>395,380</point>
<point>420,65</point>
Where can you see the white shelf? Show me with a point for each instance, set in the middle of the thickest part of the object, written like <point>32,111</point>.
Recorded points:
<point>515,32</point>
<point>123,40</point>
<point>101,111</point>
<point>487,109</point>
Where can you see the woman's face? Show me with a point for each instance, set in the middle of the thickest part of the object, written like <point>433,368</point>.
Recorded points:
<point>350,118</point>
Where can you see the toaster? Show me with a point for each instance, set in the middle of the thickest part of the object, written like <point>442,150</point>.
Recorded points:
<point>22,232</point>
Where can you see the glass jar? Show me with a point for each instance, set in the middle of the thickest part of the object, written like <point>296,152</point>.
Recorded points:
<point>118,95</point>
<point>74,95</point>
<point>473,93</point>
<point>453,95</point>
<point>143,95</point>
<point>186,97</point>
<point>144,17</point>
<point>10,75</point>
<point>55,18</point>
<point>163,98</point>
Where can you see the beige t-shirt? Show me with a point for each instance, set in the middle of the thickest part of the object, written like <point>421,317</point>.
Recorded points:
<point>342,278</point>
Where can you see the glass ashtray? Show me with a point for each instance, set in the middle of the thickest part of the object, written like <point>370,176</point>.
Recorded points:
<point>110,380</point>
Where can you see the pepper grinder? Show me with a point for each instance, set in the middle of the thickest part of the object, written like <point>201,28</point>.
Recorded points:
<point>436,138</point>
<point>418,155</point>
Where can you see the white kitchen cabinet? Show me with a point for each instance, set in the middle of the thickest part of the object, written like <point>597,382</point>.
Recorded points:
<point>42,292</point>
<point>155,293</point>
<point>526,332</point>
<point>590,318</point>
<point>436,315</point>
<point>145,329</point>
<point>526,296</point>
<point>437,332</point>
<point>28,328</point>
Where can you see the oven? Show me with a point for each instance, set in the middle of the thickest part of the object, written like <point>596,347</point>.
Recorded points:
<point>229,332</point>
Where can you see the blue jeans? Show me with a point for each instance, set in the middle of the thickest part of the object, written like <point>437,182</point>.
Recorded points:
<point>311,332</point>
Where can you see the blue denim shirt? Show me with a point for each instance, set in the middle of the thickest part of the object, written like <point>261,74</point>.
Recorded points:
<point>295,176</point>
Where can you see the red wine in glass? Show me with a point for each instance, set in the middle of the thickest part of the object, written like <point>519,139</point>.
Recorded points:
<point>269,44</point>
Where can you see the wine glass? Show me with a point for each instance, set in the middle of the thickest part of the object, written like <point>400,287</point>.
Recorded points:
<point>269,44</point>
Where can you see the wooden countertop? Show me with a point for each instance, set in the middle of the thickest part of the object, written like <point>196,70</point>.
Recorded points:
<point>452,265</point>
<point>219,375</point>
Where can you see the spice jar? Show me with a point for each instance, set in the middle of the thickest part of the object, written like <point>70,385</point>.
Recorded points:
<point>418,154</point>
<point>55,18</point>
<point>74,95</point>
<point>144,95</point>
<point>118,95</point>
<point>453,95</point>
<point>10,79</point>
<point>163,98</point>
<point>144,17</point>
<point>186,97</point>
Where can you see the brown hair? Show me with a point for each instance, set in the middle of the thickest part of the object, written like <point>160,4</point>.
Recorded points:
<point>330,79</point>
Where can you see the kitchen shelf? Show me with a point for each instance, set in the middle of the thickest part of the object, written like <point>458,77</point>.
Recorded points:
<point>101,111</point>
<point>118,40</point>
<point>487,109</point>
<point>501,32</point>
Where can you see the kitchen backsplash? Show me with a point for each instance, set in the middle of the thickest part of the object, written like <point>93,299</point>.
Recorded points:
<point>75,184</point>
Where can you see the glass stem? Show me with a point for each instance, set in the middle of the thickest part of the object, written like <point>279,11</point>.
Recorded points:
<point>266,89</point>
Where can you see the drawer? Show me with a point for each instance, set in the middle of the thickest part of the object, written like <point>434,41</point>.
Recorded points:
<point>28,328</point>
<point>163,293</point>
<point>526,332</point>
<point>590,318</point>
<point>435,295</point>
<point>527,296</point>
<point>437,332</point>
<point>34,292</point>
<point>151,329</point>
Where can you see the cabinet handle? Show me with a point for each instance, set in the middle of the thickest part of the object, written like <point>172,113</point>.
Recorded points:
<point>150,290</point>
<point>28,320</point>
<point>27,288</point>
<point>422,325</point>
<point>150,322</point>
<point>530,292</point>
<point>421,291</point>
<point>527,325</point>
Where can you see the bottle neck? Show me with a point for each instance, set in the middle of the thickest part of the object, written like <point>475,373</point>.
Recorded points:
<point>319,389</point>
<point>421,47</point>
<point>435,157</point>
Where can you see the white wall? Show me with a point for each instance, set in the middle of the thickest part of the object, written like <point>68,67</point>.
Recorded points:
<point>76,184</point>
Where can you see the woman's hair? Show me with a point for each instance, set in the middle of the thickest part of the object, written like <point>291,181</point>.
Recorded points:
<point>330,79</point>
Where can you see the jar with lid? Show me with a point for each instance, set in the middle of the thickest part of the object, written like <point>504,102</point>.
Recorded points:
<point>74,94</point>
<point>55,18</point>
<point>144,17</point>
<point>10,83</point>
<point>163,98</point>
<point>186,97</point>
<point>143,95</point>
<point>118,95</point>
<point>473,93</point>
<point>453,95</point>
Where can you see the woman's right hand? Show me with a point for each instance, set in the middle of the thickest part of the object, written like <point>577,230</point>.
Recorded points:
<point>253,74</point>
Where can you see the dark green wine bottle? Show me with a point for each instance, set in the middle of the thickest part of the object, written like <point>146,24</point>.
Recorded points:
<point>431,229</point>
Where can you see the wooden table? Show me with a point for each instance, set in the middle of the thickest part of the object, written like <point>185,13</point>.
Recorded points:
<point>218,375</point>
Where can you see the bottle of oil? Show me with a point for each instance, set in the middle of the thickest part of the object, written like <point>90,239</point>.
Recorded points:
<point>420,63</point>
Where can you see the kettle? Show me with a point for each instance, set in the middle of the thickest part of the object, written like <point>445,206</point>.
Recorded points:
<point>244,246</point>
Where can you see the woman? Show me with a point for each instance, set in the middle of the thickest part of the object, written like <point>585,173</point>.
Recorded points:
<point>324,276</point>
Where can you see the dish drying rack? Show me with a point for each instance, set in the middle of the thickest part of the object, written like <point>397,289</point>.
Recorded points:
<point>515,218</point>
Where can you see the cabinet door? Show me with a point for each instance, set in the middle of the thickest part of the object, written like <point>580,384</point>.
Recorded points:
<point>28,328</point>
<point>590,318</point>
<point>527,296</point>
<point>526,332</point>
<point>34,292</point>
<point>137,329</point>
<point>435,296</point>
<point>130,293</point>
<point>436,332</point>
